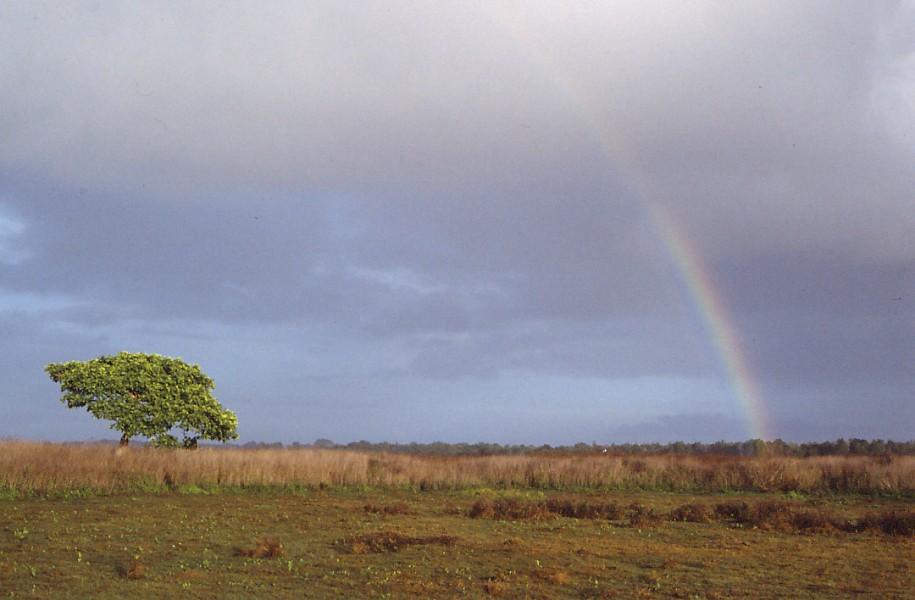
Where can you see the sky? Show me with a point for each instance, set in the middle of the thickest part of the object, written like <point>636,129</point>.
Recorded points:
<point>511,222</point>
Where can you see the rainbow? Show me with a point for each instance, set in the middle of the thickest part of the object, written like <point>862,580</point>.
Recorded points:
<point>708,300</point>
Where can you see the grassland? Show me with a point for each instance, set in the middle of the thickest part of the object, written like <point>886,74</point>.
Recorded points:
<point>90,521</point>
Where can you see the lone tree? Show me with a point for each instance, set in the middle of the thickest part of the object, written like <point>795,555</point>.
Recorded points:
<point>146,395</point>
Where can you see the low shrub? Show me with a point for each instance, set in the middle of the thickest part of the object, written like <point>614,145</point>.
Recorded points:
<point>691,513</point>
<point>583,510</point>
<point>737,511</point>
<point>641,516</point>
<point>509,509</point>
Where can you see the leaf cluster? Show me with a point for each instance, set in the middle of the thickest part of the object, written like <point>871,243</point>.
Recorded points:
<point>146,395</point>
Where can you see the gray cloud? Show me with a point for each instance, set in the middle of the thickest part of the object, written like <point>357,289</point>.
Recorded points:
<point>460,193</point>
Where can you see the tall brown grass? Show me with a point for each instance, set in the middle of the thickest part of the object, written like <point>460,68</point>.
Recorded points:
<point>31,467</point>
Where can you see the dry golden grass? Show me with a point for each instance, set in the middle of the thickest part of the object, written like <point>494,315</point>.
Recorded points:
<point>30,467</point>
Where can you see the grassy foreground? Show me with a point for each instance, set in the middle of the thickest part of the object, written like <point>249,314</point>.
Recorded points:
<point>469,543</point>
<point>150,524</point>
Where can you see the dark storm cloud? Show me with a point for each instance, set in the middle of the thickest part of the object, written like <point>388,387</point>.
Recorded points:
<point>241,258</point>
<point>457,193</point>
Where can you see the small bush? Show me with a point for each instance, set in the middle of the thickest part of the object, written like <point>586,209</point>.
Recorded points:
<point>691,513</point>
<point>772,514</point>
<point>734,510</point>
<point>817,520</point>
<point>640,516</point>
<point>583,510</point>
<point>509,509</point>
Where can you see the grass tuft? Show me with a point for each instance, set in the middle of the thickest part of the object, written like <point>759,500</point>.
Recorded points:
<point>136,570</point>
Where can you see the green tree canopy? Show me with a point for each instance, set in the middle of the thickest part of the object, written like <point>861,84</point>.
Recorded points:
<point>146,395</point>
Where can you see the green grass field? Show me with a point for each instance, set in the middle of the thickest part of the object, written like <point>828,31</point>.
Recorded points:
<point>473,542</point>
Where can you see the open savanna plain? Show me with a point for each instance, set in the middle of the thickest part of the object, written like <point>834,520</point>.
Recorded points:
<point>103,522</point>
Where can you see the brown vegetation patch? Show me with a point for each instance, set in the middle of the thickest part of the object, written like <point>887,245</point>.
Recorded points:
<point>136,570</point>
<point>265,548</point>
<point>779,515</point>
<point>767,515</point>
<point>584,510</point>
<point>496,586</point>
<point>692,513</point>
<point>551,576</point>
<point>519,509</point>
<point>737,511</point>
<point>890,522</point>
<point>640,516</point>
<point>509,509</point>
<point>772,514</point>
<point>391,541</point>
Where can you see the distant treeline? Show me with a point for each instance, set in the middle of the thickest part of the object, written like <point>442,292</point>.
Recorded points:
<point>755,447</point>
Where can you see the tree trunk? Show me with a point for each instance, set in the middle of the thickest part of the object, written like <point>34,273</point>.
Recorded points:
<point>125,439</point>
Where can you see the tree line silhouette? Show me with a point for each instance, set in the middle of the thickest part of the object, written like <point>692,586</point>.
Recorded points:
<point>754,447</point>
